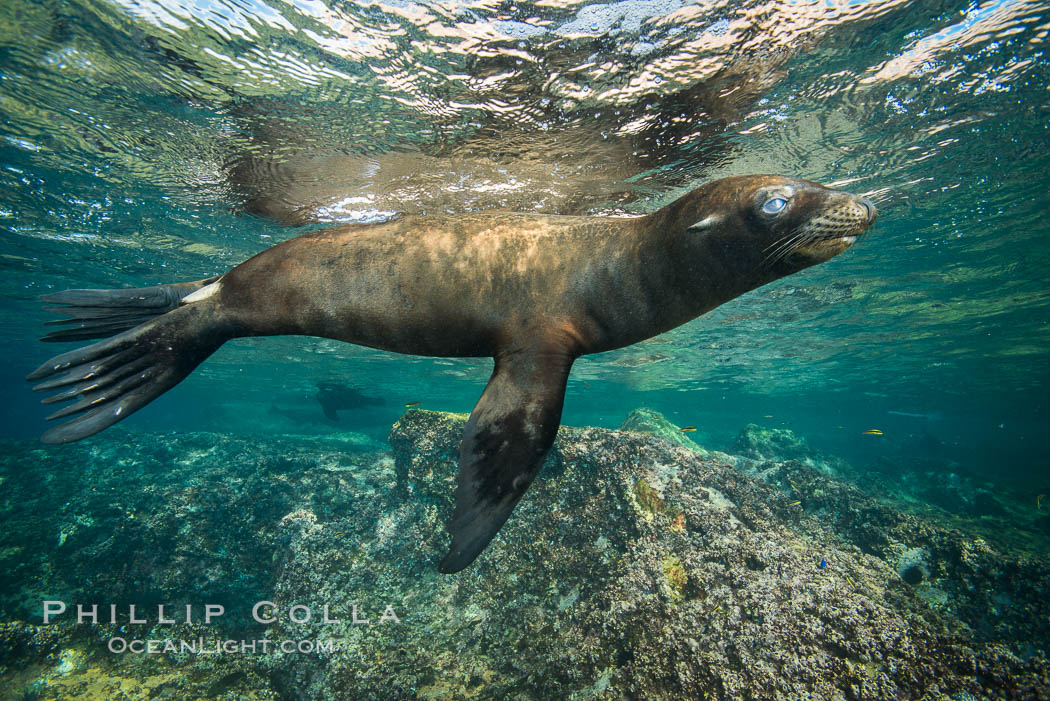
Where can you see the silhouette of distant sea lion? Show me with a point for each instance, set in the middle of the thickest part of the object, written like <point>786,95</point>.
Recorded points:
<point>534,292</point>
<point>335,397</point>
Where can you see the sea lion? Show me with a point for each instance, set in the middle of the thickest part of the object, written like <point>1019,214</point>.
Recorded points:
<point>533,292</point>
<point>335,397</point>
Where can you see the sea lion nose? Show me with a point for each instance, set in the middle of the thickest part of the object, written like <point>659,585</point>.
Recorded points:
<point>870,206</point>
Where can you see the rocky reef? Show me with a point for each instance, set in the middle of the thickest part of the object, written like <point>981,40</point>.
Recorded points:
<point>639,566</point>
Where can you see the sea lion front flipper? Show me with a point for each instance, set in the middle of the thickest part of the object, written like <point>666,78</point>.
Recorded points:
<point>329,410</point>
<point>507,437</point>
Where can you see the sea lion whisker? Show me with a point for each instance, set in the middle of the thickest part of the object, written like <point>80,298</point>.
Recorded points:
<point>784,242</point>
<point>778,254</point>
<point>804,238</point>
<point>792,242</point>
<point>780,240</point>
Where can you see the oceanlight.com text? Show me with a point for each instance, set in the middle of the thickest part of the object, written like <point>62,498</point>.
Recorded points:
<point>200,646</point>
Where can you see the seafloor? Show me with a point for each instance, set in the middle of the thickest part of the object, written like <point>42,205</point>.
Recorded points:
<point>639,566</point>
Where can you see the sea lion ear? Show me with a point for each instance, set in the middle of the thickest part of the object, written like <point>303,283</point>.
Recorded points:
<point>506,440</point>
<point>706,222</point>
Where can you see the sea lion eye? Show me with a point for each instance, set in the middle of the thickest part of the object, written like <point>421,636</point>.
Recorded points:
<point>772,206</point>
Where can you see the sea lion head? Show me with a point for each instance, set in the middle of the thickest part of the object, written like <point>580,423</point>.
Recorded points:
<point>786,224</point>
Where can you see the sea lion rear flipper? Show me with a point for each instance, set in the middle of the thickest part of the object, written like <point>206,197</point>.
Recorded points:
<point>506,439</point>
<point>111,379</point>
<point>103,313</point>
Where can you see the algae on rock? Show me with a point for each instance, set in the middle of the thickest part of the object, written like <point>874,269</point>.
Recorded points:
<point>635,567</point>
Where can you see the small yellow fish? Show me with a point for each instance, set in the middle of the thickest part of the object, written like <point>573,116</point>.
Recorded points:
<point>678,524</point>
<point>586,384</point>
<point>768,416</point>
<point>785,423</point>
<point>795,503</point>
<point>687,429</point>
<point>872,432</point>
<point>850,580</point>
<point>412,404</point>
<point>1039,501</point>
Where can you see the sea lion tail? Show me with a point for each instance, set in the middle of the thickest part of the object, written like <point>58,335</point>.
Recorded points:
<point>114,378</point>
<point>103,313</point>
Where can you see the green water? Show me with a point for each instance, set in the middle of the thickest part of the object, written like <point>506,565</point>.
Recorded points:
<point>122,122</point>
<point>880,526</point>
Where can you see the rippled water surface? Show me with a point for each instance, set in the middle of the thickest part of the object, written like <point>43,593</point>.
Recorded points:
<point>150,142</point>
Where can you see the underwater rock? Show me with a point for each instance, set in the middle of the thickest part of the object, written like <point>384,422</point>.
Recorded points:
<point>912,566</point>
<point>655,423</point>
<point>20,641</point>
<point>959,493</point>
<point>163,518</point>
<point>634,568</point>
<point>995,592</point>
<point>168,518</point>
<point>764,443</point>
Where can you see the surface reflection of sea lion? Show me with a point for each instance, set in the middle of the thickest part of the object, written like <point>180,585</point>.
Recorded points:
<point>534,292</point>
<point>335,397</point>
